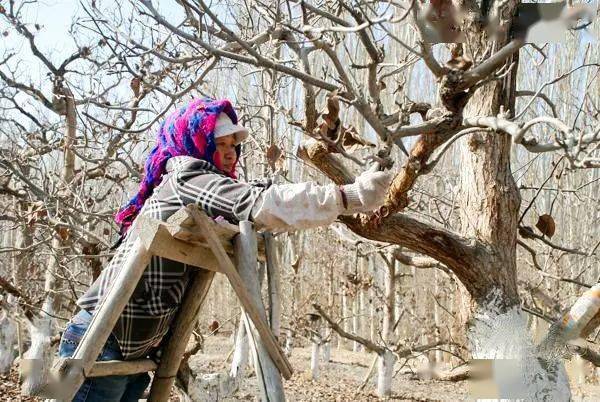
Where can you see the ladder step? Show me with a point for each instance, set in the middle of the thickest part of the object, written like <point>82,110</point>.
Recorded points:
<point>118,367</point>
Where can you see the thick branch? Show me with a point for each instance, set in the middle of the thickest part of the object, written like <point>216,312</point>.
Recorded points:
<point>489,66</point>
<point>586,353</point>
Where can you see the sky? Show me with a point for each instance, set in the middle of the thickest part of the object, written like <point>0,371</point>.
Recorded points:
<point>54,18</point>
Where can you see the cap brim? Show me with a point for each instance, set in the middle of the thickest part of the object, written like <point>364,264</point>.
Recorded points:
<point>241,135</point>
<point>240,132</point>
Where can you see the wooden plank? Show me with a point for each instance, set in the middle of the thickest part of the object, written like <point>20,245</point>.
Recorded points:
<point>120,367</point>
<point>182,218</point>
<point>181,228</point>
<point>182,330</point>
<point>104,319</point>
<point>160,242</point>
<point>237,283</point>
<point>269,377</point>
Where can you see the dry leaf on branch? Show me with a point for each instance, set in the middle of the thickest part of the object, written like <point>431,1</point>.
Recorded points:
<point>333,109</point>
<point>353,141</point>
<point>63,233</point>
<point>546,225</point>
<point>273,155</point>
<point>135,86</point>
<point>35,212</point>
<point>526,232</point>
<point>330,117</point>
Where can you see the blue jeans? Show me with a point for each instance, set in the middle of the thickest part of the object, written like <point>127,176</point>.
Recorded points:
<point>117,388</point>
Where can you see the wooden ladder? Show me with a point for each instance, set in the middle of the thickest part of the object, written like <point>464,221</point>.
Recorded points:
<point>189,236</point>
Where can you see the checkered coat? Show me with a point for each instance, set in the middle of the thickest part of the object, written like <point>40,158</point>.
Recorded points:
<point>149,313</point>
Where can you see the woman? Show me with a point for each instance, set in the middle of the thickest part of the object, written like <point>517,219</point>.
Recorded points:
<point>194,161</point>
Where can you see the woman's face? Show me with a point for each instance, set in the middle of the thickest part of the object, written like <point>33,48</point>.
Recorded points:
<point>226,150</point>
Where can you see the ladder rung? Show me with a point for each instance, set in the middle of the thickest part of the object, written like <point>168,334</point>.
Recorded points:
<point>118,367</point>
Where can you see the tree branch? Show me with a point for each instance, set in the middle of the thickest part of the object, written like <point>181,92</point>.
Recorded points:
<point>365,342</point>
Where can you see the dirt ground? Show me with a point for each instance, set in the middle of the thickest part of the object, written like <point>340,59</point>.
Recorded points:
<point>339,379</point>
<point>342,376</point>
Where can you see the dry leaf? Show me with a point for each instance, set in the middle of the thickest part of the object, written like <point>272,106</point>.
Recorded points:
<point>35,212</point>
<point>273,155</point>
<point>296,264</point>
<point>526,232</point>
<point>459,63</point>
<point>135,86</point>
<point>63,232</point>
<point>330,117</point>
<point>546,225</point>
<point>90,249</point>
<point>353,141</point>
<point>333,109</point>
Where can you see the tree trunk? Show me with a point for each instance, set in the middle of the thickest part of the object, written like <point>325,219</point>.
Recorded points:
<point>330,303</point>
<point>387,359</point>
<point>274,284</point>
<point>327,347</point>
<point>42,328</point>
<point>356,347</point>
<point>8,338</point>
<point>489,208</point>
<point>9,326</point>
<point>385,368</point>
<point>345,314</point>
<point>240,354</point>
<point>314,358</point>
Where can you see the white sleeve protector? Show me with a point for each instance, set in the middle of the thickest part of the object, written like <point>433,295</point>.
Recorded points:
<point>287,207</point>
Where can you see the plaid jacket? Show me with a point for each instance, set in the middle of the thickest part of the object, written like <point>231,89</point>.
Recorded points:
<point>148,314</point>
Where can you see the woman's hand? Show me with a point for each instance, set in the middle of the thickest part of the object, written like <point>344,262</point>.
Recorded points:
<point>367,193</point>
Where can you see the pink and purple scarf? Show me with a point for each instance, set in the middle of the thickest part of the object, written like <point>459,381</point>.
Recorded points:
<point>188,131</point>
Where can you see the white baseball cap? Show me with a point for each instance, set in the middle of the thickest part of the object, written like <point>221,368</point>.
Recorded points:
<point>224,126</point>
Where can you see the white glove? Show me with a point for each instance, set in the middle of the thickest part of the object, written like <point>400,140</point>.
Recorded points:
<point>367,193</point>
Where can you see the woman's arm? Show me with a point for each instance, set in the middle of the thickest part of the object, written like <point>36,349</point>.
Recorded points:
<point>287,207</point>
<point>299,206</point>
<point>281,207</point>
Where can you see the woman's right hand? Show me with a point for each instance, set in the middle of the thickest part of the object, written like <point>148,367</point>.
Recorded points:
<point>367,193</point>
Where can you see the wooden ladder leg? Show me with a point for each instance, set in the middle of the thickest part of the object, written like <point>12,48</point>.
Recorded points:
<point>267,373</point>
<point>240,286</point>
<point>274,285</point>
<point>164,376</point>
<point>104,320</point>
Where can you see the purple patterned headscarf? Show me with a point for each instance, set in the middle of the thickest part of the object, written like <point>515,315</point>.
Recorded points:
<point>187,131</point>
